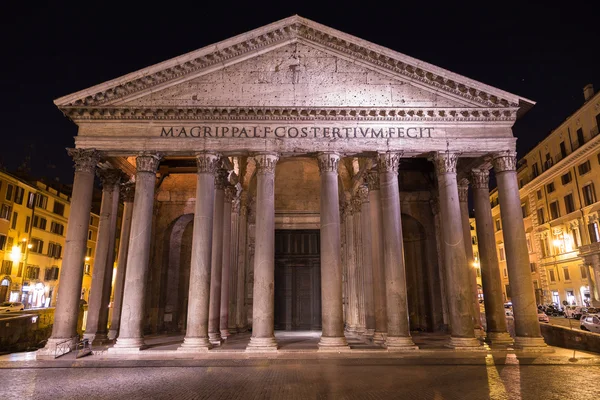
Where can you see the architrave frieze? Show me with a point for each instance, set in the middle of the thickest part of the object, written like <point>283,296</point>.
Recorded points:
<point>290,30</point>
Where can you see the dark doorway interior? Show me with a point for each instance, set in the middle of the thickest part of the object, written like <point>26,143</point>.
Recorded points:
<point>297,280</point>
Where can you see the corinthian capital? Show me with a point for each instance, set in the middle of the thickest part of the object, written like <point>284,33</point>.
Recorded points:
<point>445,162</point>
<point>363,193</point>
<point>480,179</point>
<point>127,192</point>
<point>505,161</point>
<point>109,177</point>
<point>230,193</point>
<point>207,162</point>
<point>373,179</point>
<point>328,162</point>
<point>388,161</point>
<point>266,162</point>
<point>85,159</point>
<point>221,179</point>
<point>463,190</point>
<point>148,162</point>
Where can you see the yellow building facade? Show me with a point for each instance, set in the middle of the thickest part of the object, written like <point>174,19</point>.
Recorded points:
<point>559,181</point>
<point>33,226</point>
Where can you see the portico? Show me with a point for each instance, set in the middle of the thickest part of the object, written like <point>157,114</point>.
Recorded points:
<point>295,126</point>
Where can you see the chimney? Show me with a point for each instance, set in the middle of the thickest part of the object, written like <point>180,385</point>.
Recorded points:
<point>588,91</point>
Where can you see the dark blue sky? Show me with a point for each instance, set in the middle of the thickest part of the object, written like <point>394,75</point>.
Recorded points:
<point>543,53</point>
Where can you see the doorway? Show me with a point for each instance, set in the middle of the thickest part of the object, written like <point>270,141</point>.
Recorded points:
<point>297,280</point>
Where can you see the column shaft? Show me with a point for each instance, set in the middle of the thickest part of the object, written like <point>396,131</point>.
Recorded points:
<point>352,314</point>
<point>369,302</point>
<point>71,274</point>
<point>241,321</point>
<point>225,275</point>
<point>490,271</point>
<point>196,335</point>
<point>527,327</point>
<point>360,280</point>
<point>233,265</point>
<point>131,337</point>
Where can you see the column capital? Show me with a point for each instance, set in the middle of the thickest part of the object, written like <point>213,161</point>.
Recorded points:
<point>356,204</point>
<point>388,161</point>
<point>221,179</point>
<point>230,192</point>
<point>127,192</point>
<point>372,178</point>
<point>328,162</point>
<point>236,205</point>
<point>148,162</point>
<point>266,162</point>
<point>85,159</point>
<point>504,161</point>
<point>480,179</point>
<point>207,162</point>
<point>445,162</point>
<point>109,177</point>
<point>463,190</point>
<point>363,193</point>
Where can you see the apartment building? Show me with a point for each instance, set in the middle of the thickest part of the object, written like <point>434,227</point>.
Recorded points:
<point>558,180</point>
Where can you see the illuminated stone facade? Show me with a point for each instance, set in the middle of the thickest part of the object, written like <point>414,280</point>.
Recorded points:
<point>297,159</point>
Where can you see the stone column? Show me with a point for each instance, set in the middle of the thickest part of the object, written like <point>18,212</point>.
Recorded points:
<point>127,193</point>
<point>131,336</point>
<point>223,326</point>
<point>376,220</point>
<point>359,268</point>
<point>594,280</point>
<point>71,273</point>
<point>457,271</point>
<point>233,264</point>
<point>352,305</point>
<point>491,280</point>
<point>97,318</point>
<point>527,327</point>
<point>398,330</point>
<point>367,263</point>
<point>463,197</point>
<point>332,337</point>
<point>241,321</point>
<point>263,306</point>
<point>196,335</point>
<point>437,221</point>
<point>214,315</point>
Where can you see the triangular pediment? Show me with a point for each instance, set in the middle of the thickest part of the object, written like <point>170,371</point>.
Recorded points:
<point>294,62</point>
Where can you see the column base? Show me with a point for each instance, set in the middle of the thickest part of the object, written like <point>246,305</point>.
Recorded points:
<point>379,337</point>
<point>335,344</point>
<point>112,334</point>
<point>532,344</point>
<point>369,333</point>
<point>400,343</point>
<point>195,345</point>
<point>128,345</point>
<point>97,338</point>
<point>56,347</point>
<point>260,344</point>
<point>479,333</point>
<point>232,330</point>
<point>225,333</point>
<point>351,329</point>
<point>471,344</point>
<point>215,338</point>
<point>499,339</point>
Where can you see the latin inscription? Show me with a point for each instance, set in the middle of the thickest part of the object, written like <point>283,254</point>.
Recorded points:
<point>292,132</point>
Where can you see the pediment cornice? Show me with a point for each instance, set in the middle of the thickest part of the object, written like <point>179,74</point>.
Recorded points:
<point>289,30</point>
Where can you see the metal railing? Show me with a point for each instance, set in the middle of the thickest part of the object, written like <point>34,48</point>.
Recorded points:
<point>62,348</point>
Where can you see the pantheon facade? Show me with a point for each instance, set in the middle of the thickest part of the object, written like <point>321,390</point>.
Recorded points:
<point>294,177</point>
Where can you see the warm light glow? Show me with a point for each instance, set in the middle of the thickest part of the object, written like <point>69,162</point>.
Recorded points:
<point>476,264</point>
<point>23,240</point>
<point>557,242</point>
<point>87,259</point>
<point>15,254</point>
<point>29,246</point>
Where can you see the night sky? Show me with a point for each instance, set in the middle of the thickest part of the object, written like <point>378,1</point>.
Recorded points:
<point>544,53</point>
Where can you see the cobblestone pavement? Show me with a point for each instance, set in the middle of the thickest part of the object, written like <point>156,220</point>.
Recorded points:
<point>306,379</point>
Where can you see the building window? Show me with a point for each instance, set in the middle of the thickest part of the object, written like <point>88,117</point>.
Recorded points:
<point>59,208</point>
<point>57,228</point>
<point>41,201</point>
<point>529,248</point>
<point>89,252</point>
<point>30,200</point>
<point>508,294</point>
<point>584,168</point>
<point>19,192</point>
<point>580,140</point>
<point>534,170</point>
<point>554,210</point>
<point>583,269</point>
<point>51,273</point>
<point>39,222</point>
<point>524,210</point>
<point>563,150</point>
<point>9,192</point>
<point>566,178</point>
<point>549,162</point>
<point>498,226</point>
<point>566,273</point>
<point>14,220</point>
<point>37,245</point>
<point>90,235</point>
<point>594,233</point>
<point>540,215</point>
<point>32,272</point>
<point>539,194</point>
<point>552,276</point>
<point>87,269</point>
<point>20,270</point>
<point>550,187</point>
<point>2,242</point>
<point>589,195</point>
<point>555,297</point>
<point>54,250</point>
<point>532,266</point>
<point>6,267</point>
<point>5,212</point>
<point>569,205</point>
<point>502,254</point>
<point>474,239</point>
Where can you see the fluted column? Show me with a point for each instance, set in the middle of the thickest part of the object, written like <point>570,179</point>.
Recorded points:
<point>241,321</point>
<point>233,264</point>
<point>352,303</point>
<point>463,197</point>
<point>71,273</point>
<point>358,251</point>
<point>527,327</point>
<point>263,306</point>
<point>214,315</point>
<point>377,254</point>
<point>491,281</point>
<point>367,261</point>
<point>332,337</point>
<point>131,336</point>
<point>225,275</point>
<point>457,274</point>
<point>127,192</point>
<point>196,335</point>
<point>97,318</point>
<point>398,330</point>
